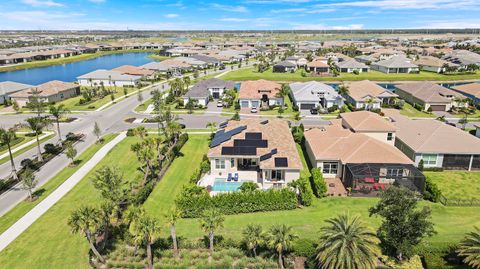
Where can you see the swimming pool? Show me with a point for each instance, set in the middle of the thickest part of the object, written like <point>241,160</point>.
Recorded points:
<point>221,185</point>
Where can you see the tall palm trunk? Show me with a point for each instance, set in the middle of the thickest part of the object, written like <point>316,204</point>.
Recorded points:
<point>14,170</point>
<point>58,130</point>
<point>280,260</point>
<point>173,234</point>
<point>254,252</point>
<point>92,246</point>
<point>149,256</point>
<point>210,250</point>
<point>40,158</point>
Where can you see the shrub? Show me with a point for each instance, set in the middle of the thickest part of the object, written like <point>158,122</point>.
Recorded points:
<point>306,193</point>
<point>130,132</point>
<point>193,200</point>
<point>248,186</point>
<point>319,186</point>
<point>195,176</point>
<point>332,109</point>
<point>50,149</point>
<point>26,163</point>
<point>420,165</point>
<point>304,247</point>
<point>432,192</point>
<point>71,136</point>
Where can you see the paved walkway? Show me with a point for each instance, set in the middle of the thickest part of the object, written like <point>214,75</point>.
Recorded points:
<point>6,154</point>
<point>28,219</point>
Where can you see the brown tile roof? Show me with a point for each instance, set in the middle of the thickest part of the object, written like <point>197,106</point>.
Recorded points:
<point>366,121</point>
<point>336,143</point>
<point>255,89</point>
<point>432,136</point>
<point>276,132</point>
<point>362,90</point>
<point>432,61</point>
<point>429,91</point>
<point>317,63</point>
<point>133,70</point>
<point>46,89</point>
<point>471,89</point>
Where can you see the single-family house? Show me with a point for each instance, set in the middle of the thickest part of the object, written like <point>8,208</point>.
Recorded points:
<point>207,59</point>
<point>437,144</point>
<point>371,124</point>
<point>49,92</point>
<point>314,94</point>
<point>351,65</point>
<point>193,62</point>
<point>262,152</point>
<point>135,71</point>
<point>471,90</point>
<point>284,66</point>
<point>463,58</point>
<point>362,164</point>
<point>168,66</point>
<point>366,94</point>
<point>204,89</point>
<point>318,67</point>
<point>108,78</point>
<point>297,60</point>
<point>9,87</point>
<point>260,94</point>
<point>395,65</point>
<point>430,96</point>
<point>433,64</point>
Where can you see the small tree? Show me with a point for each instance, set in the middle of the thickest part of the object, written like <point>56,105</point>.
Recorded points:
<point>112,97</point>
<point>71,153</point>
<point>96,131</point>
<point>280,111</point>
<point>172,218</point>
<point>6,138</point>
<point>37,124</point>
<point>58,112</point>
<point>280,239</point>
<point>190,105</point>
<point>148,229</point>
<point>403,226</point>
<point>211,220</point>
<point>109,182</point>
<point>125,92</point>
<point>253,237</point>
<point>236,116</point>
<point>15,106</point>
<point>140,97</point>
<point>29,182</point>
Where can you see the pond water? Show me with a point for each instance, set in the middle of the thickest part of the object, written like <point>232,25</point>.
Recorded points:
<point>70,71</point>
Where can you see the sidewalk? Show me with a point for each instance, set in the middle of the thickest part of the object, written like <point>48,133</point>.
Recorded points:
<point>28,219</point>
<point>6,154</point>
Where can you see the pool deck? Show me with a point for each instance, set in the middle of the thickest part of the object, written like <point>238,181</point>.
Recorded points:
<point>243,176</point>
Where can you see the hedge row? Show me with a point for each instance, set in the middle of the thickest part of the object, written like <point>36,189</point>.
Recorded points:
<point>193,204</point>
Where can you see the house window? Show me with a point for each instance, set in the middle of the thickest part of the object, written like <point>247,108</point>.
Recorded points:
<point>429,159</point>
<point>277,175</point>
<point>394,172</point>
<point>389,136</point>
<point>219,164</point>
<point>330,168</point>
<point>232,162</point>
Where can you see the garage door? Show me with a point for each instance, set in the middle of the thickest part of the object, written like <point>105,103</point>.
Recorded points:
<point>307,106</point>
<point>244,104</point>
<point>438,107</point>
<point>255,104</point>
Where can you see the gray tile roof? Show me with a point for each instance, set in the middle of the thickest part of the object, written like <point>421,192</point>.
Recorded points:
<point>396,62</point>
<point>351,63</point>
<point>309,91</point>
<point>108,75</point>
<point>286,64</point>
<point>201,88</point>
<point>7,87</point>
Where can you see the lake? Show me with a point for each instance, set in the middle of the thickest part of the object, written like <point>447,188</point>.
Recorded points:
<point>69,72</point>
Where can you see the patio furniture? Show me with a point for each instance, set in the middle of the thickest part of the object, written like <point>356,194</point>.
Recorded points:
<point>376,186</point>
<point>235,177</point>
<point>229,177</point>
<point>369,180</point>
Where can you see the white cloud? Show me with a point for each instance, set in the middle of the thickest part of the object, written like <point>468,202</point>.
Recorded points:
<point>304,10</point>
<point>407,4</point>
<point>171,15</point>
<point>239,9</point>
<point>39,17</point>
<point>451,24</point>
<point>40,3</point>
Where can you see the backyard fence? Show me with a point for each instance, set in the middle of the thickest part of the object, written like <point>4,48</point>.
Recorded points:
<point>459,202</point>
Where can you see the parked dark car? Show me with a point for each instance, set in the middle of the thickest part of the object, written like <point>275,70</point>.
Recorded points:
<point>222,67</point>
<point>313,111</point>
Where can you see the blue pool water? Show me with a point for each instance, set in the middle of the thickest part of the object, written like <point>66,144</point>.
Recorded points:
<point>69,72</point>
<point>221,185</point>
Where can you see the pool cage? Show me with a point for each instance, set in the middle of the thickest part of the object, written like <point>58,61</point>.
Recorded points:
<point>370,179</point>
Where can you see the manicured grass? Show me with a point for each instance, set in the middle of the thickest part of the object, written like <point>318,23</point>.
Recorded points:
<point>463,185</point>
<point>70,59</point>
<point>49,243</point>
<point>162,198</point>
<point>409,111</point>
<point>73,103</point>
<point>22,208</point>
<point>305,165</point>
<point>252,74</point>
<point>25,149</point>
<point>143,106</point>
<point>25,140</point>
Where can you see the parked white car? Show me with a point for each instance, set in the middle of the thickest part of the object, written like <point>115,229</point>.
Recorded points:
<point>219,103</point>
<point>253,110</point>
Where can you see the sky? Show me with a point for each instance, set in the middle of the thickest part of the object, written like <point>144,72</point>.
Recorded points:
<point>237,14</point>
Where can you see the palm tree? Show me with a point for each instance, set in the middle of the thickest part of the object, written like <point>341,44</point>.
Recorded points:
<point>57,113</point>
<point>284,92</point>
<point>145,155</point>
<point>343,90</point>
<point>148,229</point>
<point>37,124</point>
<point>346,243</point>
<point>172,218</point>
<point>469,248</point>
<point>280,239</point>
<point>6,138</point>
<point>211,220</point>
<point>212,126</point>
<point>86,219</point>
<point>252,236</point>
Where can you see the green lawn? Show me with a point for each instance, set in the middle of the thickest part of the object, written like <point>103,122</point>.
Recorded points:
<point>143,106</point>
<point>25,149</point>
<point>252,74</point>
<point>409,111</point>
<point>462,185</point>
<point>73,103</point>
<point>163,196</point>
<point>65,60</point>
<point>25,140</point>
<point>305,165</point>
<point>49,243</point>
<point>21,209</point>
